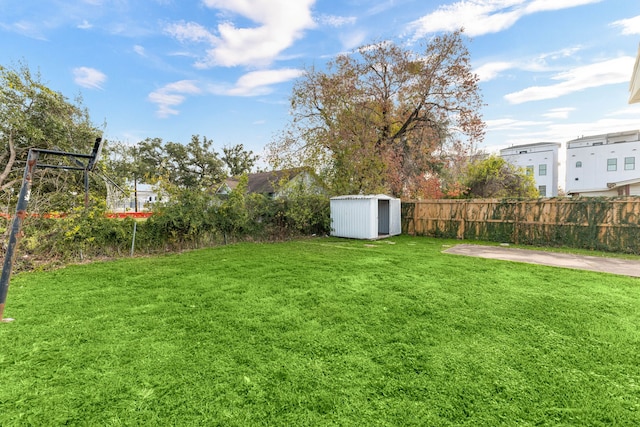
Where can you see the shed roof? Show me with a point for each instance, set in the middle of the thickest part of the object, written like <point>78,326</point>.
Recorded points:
<point>364,196</point>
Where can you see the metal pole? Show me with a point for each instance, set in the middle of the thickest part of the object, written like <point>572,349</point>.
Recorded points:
<point>86,189</point>
<point>133,238</point>
<point>135,192</point>
<point>16,226</point>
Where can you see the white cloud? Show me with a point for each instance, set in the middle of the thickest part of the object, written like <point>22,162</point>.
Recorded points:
<point>540,63</point>
<point>548,5</point>
<point>491,70</point>
<point>480,17</point>
<point>569,131</point>
<point>629,110</point>
<point>257,82</point>
<point>139,50</point>
<point>498,125</point>
<point>25,28</point>
<point>279,24</point>
<point>85,25</point>
<point>172,95</point>
<point>558,113</point>
<point>190,32</point>
<point>630,27</point>
<point>254,83</point>
<point>336,21</point>
<point>380,7</point>
<point>352,39</point>
<point>510,132</point>
<point>89,77</point>
<point>608,72</point>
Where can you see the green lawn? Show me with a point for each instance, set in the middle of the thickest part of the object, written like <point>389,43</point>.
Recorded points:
<point>320,332</point>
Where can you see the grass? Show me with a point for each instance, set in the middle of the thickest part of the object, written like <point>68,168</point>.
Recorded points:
<point>320,332</point>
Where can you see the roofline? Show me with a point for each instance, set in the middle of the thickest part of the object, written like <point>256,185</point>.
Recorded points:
<point>605,135</point>
<point>535,144</point>
<point>364,197</point>
<point>612,185</point>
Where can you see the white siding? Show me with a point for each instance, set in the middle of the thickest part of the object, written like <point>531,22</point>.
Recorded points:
<point>354,218</point>
<point>359,217</point>
<point>595,163</point>
<point>543,157</point>
<point>395,226</point>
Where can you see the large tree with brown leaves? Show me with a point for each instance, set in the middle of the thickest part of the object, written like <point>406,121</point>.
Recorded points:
<point>384,118</point>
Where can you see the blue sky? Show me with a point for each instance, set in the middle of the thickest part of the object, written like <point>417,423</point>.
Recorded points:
<point>551,70</point>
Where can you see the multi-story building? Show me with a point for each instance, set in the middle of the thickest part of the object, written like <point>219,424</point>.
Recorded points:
<point>539,160</point>
<point>604,165</point>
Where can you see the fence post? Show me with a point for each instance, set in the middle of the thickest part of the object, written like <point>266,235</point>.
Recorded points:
<point>463,219</point>
<point>516,220</point>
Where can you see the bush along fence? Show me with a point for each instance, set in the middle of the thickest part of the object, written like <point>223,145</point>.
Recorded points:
<point>607,224</point>
<point>192,220</point>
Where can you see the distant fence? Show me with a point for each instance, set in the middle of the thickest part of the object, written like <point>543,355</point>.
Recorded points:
<point>609,224</point>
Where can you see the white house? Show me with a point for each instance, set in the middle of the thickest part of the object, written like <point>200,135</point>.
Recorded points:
<point>604,165</point>
<point>539,160</point>
<point>146,195</point>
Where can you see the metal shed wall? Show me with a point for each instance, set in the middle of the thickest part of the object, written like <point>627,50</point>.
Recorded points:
<point>354,218</point>
<point>365,217</point>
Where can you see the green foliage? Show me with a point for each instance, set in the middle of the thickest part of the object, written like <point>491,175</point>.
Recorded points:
<point>320,332</point>
<point>232,216</point>
<point>185,221</point>
<point>304,209</point>
<point>189,218</point>
<point>176,165</point>
<point>74,236</point>
<point>494,177</point>
<point>34,116</point>
<point>305,214</point>
<point>238,160</point>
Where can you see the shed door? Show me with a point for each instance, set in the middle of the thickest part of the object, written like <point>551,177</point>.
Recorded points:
<point>383,217</point>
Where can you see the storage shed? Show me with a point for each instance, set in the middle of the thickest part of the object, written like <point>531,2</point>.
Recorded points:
<point>365,217</point>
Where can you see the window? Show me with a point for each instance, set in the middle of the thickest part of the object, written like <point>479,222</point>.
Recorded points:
<point>578,164</point>
<point>529,171</point>
<point>629,163</point>
<point>542,170</point>
<point>612,165</point>
<point>542,189</point>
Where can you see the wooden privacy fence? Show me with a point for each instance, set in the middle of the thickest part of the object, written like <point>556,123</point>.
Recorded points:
<point>610,224</point>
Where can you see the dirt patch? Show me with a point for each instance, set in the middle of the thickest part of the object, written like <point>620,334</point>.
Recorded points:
<point>618,266</point>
